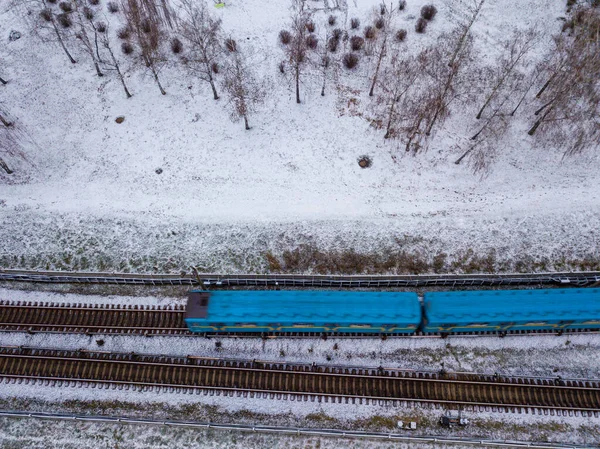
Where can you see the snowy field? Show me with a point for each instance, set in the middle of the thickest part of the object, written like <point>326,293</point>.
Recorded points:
<point>88,196</point>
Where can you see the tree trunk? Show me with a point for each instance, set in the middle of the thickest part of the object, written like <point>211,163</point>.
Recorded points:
<point>214,89</point>
<point>117,68</point>
<point>381,53</point>
<point>478,116</point>
<point>459,160</point>
<point>4,121</point>
<point>62,44</point>
<point>162,91</point>
<point>5,167</point>
<point>166,13</point>
<point>536,125</point>
<point>3,81</point>
<point>246,122</point>
<point>521,101</point>
<point>389,124</point>
<point>123,82</point>
<point>96,44</point>
<point>297,83</point>
<point>98,72</point>
<point>544,107</point>
<point>545,86</point>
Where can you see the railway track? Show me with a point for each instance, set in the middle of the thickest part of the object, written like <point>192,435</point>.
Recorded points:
<point>92,318</point>
<point>101,319</point>
<point>296,381</point>
<point>579,279</point>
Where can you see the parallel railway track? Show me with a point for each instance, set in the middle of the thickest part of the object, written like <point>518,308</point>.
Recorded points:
<point>579,279</point>
<point>101,319</point>
<point>297,381</point>
<point>92,318</point>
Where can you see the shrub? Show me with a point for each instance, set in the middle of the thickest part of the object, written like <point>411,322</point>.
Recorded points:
<point>101,27</point>
<point>311,41</point>
<point>64,20</point>
<point>357,43</point>
<point>146,26</point>
<point>401,5</point>
<point>46,14</point>
<point>215,67</point>
<point>350,60</point>
<point>94,2</point>
<point>332,44</point>
<point>231,45</point>
<point>331,20</point>
<point>421,25</point>
<point>310,26</point>
<point>285,37</point>
<point>382,9</point>
<point>379,23</point>
<point>369,32</point>
<point>176,45</point>
<point>428,12</point>
<point>65,6</point>
<point>88,13</point>
<point>127,48</point>
<point>337,33</point>
<point>354,23</point>
<point>112,7</point>
<point>401,35</point>
<point>124,33</point>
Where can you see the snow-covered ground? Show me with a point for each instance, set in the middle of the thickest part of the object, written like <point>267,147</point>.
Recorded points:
<point>89,196</point>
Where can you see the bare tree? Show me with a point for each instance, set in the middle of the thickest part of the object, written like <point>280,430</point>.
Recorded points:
<point>112,63</point>
<point>508,64</point>
<point>2,80</point>
<point>444,79</point>
<point>5,121</point>
<point>245,92</point>
<point>397,78</point>
<point>484,143</point>
<point>8,145</point>
<point>84,22</point>
<point>47,12</point>
<point>570,98</point>
<point>148,35</point>
<point>383,35</point>
<point>297,49</point>
<point>325,62</point>
<point>203,35</point>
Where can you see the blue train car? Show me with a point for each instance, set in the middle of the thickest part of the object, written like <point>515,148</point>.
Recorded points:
<point>303,311</point>
<point>512,310</point>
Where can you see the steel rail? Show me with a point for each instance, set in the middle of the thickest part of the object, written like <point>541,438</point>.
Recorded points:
<point>92,318</point>
<point>32,317</point>
<point>293,280</point>
<point>348,384</point>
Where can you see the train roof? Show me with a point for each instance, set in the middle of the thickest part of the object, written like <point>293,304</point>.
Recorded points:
<point>513,305</point>
<point>311,305</point>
